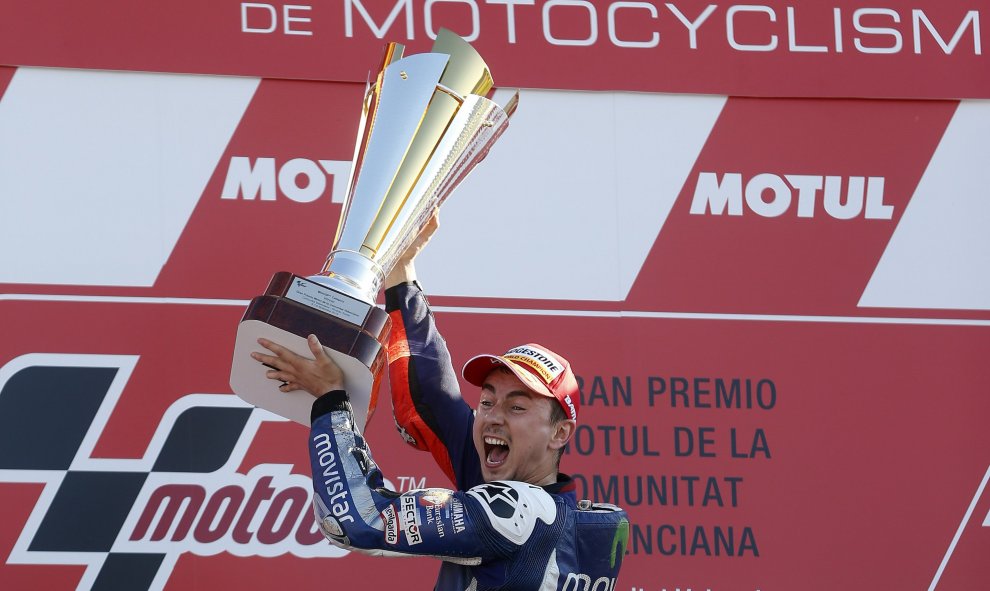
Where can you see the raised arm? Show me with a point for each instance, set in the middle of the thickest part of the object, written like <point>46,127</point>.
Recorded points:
<point>426,400</point>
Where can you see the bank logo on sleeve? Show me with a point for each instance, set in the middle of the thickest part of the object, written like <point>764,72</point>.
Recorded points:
<point>129,520</point>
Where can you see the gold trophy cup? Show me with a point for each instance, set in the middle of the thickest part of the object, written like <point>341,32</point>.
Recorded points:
<point>425,124</point>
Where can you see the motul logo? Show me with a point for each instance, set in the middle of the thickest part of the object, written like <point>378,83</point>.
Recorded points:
<point>264,513</point>
<point>299,179</point>
<point>805,196</point>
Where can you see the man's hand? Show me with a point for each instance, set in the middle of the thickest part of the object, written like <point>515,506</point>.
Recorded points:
<point>317,376</point>
<point>404,270</point>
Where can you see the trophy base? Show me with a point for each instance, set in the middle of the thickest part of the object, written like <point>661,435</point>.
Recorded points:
<point>358,344</point>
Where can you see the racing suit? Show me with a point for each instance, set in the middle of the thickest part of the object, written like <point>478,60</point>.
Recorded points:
<point>497,535</point>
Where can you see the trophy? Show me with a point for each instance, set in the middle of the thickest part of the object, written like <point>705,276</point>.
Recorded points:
<point>425,124</point>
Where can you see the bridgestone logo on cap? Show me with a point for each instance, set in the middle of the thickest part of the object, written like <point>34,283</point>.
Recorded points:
<point>542,362</point>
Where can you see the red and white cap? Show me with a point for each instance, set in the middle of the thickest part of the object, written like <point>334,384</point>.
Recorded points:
<point>539,368</point>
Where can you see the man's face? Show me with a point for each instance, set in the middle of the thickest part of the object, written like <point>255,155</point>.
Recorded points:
<point>513,433</point>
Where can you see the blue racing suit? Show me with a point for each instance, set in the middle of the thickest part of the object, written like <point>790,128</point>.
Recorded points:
<point>497,535</point>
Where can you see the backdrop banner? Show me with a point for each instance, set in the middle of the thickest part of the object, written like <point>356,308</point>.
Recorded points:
<point>839,48</point>
<point>786,384</point>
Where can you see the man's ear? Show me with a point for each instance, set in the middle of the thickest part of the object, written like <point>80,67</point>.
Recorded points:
<point>562,433</point>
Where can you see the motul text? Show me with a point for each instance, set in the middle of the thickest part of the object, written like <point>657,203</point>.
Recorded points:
<point>770,195</point>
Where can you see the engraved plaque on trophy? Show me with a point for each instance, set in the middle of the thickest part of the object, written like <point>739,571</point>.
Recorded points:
<point>425,124</point>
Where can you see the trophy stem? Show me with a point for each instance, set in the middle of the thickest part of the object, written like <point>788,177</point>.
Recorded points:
<point>353,273</point>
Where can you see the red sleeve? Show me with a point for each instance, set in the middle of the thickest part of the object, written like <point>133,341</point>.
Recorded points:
<point>426,400</point>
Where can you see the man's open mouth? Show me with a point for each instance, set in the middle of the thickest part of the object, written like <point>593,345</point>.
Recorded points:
<point>496,450</point>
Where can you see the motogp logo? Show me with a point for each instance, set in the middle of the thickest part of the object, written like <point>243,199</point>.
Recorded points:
<point>129,520</point>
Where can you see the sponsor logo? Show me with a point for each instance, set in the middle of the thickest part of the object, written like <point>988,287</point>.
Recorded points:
<point>581,582</point>
<point>444,512</point>
<point>185,495</point>
<point>457,515</point>
<point>300,179</point>
<point>435,518</point>
<point>501,498</point>
<point>333,478</point>
<point>547,367</point>
<point>409,515</point>
<point>514,508</point>
<point>806,196</point>
<point>570,406</point>
<point>266,507</point>
<point>391,525</point>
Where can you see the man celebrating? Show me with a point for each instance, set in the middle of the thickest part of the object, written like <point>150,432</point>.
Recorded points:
<point>514,521</point>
